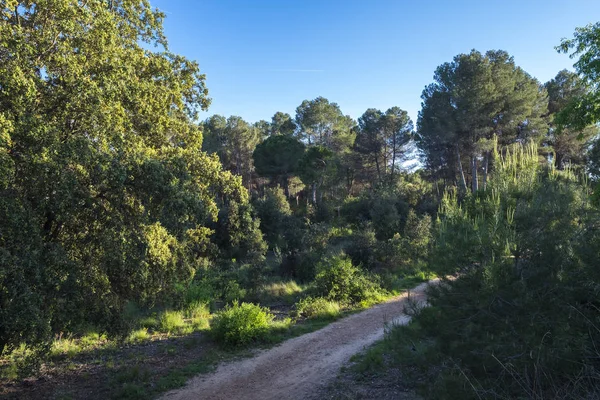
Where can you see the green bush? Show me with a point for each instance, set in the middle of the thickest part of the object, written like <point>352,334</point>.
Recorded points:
<point>240,324</point>
<point>317,308</point>
<point>337,279</point>
<point>171,321</point>
<point>521,319</point>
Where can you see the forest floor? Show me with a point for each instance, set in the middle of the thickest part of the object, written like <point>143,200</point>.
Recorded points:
<point>306,367</point>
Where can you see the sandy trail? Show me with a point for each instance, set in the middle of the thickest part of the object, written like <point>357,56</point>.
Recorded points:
<point>299,367</point>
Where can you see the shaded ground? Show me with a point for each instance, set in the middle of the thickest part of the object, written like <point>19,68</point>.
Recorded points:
<point>117,373</point>
<point>303,367</point>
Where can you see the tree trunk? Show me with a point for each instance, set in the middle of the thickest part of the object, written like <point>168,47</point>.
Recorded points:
<point>286,186</point>
<point>378,170</point>
<point>463,182</point>
<point>393,162</point>
<point>474,180</point>
<point>314,193</point>
<point>485,169</point>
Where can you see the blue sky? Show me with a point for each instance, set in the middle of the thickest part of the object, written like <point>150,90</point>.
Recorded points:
<point>263,56</point>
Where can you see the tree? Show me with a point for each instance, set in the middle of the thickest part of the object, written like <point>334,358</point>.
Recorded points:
<point>322,123</point>
<point>313,166</point>
<point>277,158</point>
<point>369,138</point>
<point>282,124</point>
<point>105,194</point>
<point>569,144</point>
<point>233,141</point>
<point>585,44</point>
<point>381,137</point>
<point>397,128</point>
<point>473,98</point>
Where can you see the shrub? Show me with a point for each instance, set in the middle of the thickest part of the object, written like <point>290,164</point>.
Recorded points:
<point>241,324</point>
<point>199,314</point>
<point>317,308</point>
<point>138,335</point>
<point>171,321</point>
<point>337,279</point>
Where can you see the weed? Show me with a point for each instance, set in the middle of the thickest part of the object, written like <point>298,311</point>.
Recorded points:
<point>241,324</point>
<point>317,308</point>
<point>171,321</point>
<point>139,335</point>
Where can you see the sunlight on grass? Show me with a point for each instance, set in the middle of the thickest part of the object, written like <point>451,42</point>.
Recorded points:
<point>171,321</point>
<point>139,335</point>
<point>279,291</point>
<point>317,308</point>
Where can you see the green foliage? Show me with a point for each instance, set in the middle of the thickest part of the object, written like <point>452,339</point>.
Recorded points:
<point>473,98</point>
<point>520,319</point>
<point>138,336</point>
<point>233,140</point>
<point>277,157</point>
<point>381,138</point>
<point>240,324</point>
<point>317,308</point>
<point>106,196</point>
<point>276,223</point>
<point>583,110</point>
<point>338,280</point>
<point>171,322</point>
<point>277,292</point>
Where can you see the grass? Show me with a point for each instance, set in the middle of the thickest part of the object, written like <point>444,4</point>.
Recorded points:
<point>138,336</point>
<point>171,322</point>
<point>281,291</point>
<point>318,308</point>
<point>135,382</point>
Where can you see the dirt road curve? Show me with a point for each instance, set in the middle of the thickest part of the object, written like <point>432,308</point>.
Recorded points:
<point>299,367</point>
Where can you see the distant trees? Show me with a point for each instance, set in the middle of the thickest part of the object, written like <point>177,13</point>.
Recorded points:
<point>473,98</point>
<point>277,158</point>
<point>233,140</point>
<point>322,123</point>
<point>381,137</point>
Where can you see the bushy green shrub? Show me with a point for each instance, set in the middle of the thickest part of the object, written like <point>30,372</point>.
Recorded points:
<point>171,321</point>
<point>240,324</point>
<point>274,212</point>
<point>521,319</point>
<point>362,246</point>
<point>317,308</point>
<point>337,279</point>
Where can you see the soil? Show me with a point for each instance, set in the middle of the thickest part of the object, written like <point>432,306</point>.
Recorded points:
<point>303,367</point>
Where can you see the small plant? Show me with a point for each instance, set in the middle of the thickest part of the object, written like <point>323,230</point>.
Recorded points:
<point>241,324</point>
<point>199,315</point>
<point>171,321</point>
<point>317,308</point>
<point>138,336</point>
<point>279,291</point>
<point>337,279</point>
<point>65,347</point>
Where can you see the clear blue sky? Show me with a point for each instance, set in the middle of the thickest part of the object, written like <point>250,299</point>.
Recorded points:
<point>263,56</point>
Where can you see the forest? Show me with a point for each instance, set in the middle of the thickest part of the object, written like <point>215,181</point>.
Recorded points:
<point>124,216</point>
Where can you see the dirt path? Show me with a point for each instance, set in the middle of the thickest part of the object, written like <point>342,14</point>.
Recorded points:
<point>299,367</point>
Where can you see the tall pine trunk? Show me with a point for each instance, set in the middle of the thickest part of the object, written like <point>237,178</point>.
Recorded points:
<point>378,170</point>
<point>463,181</point>
<point>485,169</point>
<point>474,180</point>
